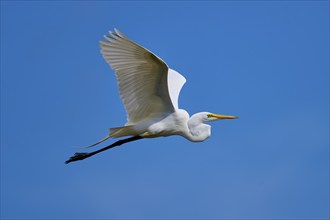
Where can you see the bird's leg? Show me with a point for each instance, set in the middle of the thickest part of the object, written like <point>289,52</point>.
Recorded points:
<point>82,156</point>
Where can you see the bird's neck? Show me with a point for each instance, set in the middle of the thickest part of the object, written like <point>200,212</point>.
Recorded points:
<point>197,130</point>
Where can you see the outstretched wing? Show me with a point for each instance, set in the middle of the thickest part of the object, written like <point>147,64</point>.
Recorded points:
<point>142,77</point>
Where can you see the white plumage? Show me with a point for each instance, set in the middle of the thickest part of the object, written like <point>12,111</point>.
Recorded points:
<point>150,91</point>
<point>142,78</point>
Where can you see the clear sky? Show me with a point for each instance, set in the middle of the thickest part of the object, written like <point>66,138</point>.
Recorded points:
<point>264,61</point>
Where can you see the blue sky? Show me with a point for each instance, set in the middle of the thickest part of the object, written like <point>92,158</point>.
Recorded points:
<point>264,61</point>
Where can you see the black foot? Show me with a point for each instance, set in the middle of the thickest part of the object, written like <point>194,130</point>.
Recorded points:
<point>78,156</point>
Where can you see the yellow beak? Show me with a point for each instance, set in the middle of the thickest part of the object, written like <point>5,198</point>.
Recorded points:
<point>223,116</point>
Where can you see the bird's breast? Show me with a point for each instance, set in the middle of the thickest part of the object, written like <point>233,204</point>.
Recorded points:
<point>173,124</point>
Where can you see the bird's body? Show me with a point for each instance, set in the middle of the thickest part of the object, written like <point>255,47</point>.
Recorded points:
<point>176,123</point>
<point>164,125</point>
<point>150,90</point>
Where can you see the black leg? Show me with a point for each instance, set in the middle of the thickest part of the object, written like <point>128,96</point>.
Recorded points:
<point>82,156</point>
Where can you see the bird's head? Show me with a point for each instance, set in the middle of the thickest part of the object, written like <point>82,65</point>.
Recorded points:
<point>202,117</point>
<point>200,131</point>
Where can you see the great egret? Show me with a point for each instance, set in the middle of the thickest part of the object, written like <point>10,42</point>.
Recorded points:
<point>149,90</point>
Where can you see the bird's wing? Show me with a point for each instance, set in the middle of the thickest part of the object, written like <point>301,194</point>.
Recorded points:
<point>142,77</point>
<point>175,81</point>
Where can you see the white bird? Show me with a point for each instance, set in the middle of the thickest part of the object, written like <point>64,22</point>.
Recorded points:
<point>149,90</point>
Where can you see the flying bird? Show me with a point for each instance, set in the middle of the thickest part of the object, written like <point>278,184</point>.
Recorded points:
<point>149,90</point>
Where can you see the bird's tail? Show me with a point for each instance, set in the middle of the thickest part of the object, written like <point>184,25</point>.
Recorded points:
<point>116,132</point>
<point>122,131</point>
<point>100,141</point>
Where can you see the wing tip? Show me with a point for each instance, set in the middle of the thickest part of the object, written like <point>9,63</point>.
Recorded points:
<point>119,33</point>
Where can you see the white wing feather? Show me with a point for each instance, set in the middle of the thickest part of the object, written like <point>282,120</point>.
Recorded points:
<point>142,78</point>
<point>175,82</point>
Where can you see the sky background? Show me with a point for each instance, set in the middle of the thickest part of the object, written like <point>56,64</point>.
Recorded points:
<point>264,61</point>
